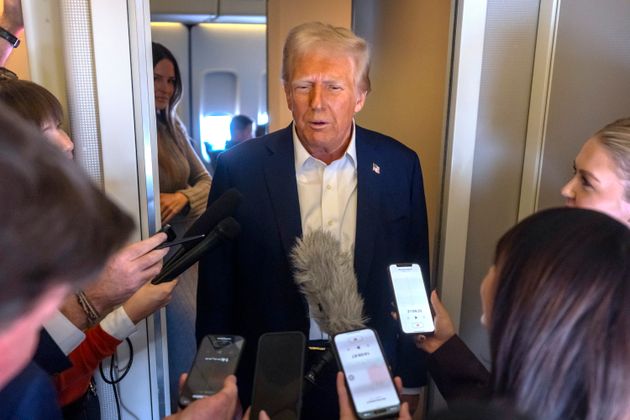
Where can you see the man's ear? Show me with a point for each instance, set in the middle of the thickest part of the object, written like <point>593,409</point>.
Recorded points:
<point>360,101</point>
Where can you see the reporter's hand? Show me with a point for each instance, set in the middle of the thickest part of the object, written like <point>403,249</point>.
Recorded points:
<point>125,272</point>
<point>261,416</point>
<point>171,205</point>
<point>148,299</point>
<point>444,328</point>
<point>345,406</point>
<point>219,406</point>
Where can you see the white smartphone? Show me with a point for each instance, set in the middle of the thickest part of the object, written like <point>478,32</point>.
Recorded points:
<point>412,302</point>
<point>369,383</point>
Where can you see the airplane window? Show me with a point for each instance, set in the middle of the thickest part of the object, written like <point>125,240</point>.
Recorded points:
<point>215,131</point>
<point>262,118</point>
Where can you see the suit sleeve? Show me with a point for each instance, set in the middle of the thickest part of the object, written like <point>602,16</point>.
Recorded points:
<point>215,297</point>
<point>49,356</point>
<point>457,372</point>
<point>411,366</point>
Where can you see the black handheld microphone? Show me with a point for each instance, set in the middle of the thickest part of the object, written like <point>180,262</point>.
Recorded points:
<point>223,207</point>
<point>325,275</point>
<point>227,229</point>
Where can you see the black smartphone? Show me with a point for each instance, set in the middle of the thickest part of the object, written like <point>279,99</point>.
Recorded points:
<point>371,388</point>
<point>216,359</point>
<point>412,302</point>
<point>279,375</point>
<point>180,241</point>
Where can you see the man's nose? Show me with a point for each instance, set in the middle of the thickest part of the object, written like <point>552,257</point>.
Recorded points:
<point>316,97</point>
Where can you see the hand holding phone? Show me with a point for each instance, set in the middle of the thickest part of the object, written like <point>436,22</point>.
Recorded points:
<point>279,375</point>
<point>216,359</point>
<point>372,390</point>
<point>414,312</point>
<point>345,404</point>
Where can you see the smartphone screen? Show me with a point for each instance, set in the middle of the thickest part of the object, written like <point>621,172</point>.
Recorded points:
<point>412,302</point>
<point>216,359</point>
<point>279,375</point>
<point>370,385</point>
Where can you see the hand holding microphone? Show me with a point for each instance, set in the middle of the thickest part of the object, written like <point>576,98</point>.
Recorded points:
<point>212,227</point>
<point>223,207</point>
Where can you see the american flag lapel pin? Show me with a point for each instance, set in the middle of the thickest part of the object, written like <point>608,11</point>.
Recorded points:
<point>376,169</point>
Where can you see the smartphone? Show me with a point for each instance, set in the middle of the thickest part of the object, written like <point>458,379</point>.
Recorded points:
<point>412,302</point>
<point>216,359</point>
<point>372,391</point>
<point>279,375</point>
<point>180,241</point>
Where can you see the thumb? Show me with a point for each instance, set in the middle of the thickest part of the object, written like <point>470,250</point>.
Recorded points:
<point>438,307</point>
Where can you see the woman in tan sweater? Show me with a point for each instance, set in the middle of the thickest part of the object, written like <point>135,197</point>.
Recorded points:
<point>184,188</point>
<point>184,181</point>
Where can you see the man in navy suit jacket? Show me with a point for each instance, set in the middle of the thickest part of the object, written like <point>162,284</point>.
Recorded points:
<point>321,172</point>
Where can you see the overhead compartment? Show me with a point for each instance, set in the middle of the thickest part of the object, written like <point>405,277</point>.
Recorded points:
<point>200,11</point>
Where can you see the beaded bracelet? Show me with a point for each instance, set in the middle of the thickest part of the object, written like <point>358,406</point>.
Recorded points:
<point>92,314</point>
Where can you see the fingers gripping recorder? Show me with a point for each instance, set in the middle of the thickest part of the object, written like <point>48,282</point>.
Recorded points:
<point>325,275</point>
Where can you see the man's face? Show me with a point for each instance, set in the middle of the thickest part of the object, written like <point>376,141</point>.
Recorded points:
<point>323,98</point>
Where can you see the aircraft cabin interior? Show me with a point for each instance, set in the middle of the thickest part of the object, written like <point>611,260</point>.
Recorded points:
<point>496,97</point>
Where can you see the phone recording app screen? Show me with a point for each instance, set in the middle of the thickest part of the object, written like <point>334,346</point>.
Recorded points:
<point>413,305</point>
<point>366,372</point>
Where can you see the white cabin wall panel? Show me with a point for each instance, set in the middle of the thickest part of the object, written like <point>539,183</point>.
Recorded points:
<point>508,56</point>
<point>590,85</point>
<point>236,48</point>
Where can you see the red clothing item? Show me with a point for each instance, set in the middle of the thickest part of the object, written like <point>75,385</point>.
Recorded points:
<point>72,383</point>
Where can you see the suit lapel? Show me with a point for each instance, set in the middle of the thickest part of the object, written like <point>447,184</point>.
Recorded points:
<point>281,184</point>
<point>368,188</point>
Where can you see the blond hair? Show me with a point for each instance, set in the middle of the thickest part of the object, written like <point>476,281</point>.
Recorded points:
<point>308,35</point>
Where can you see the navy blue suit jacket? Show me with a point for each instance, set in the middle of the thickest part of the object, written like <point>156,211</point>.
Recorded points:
<point>30,395</point>
<point>246,287</point>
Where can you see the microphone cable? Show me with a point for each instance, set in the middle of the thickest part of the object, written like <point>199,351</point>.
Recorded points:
<point>113,362</point>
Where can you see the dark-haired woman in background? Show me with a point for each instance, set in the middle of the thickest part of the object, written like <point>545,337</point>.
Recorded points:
<point>184,188</point>
<point>184,181</point>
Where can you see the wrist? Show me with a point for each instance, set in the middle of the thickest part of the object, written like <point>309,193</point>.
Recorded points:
<point>131,312</point>
<point>183,197</point>
<point>91,313</point>
<point>11,26</point>
<point>8,37</point>
<point>74,313</point>
<point>100,302</point>
<point>12,21</point>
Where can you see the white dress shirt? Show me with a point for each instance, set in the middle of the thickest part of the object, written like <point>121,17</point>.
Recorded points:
<point>328,198</point>
<point>68,337</point>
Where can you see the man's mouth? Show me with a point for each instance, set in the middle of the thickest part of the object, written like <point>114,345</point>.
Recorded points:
<point>317,124</point>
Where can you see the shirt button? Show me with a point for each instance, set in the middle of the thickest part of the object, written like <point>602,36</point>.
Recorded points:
<point>328,187</point>
<point>330,223</point>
